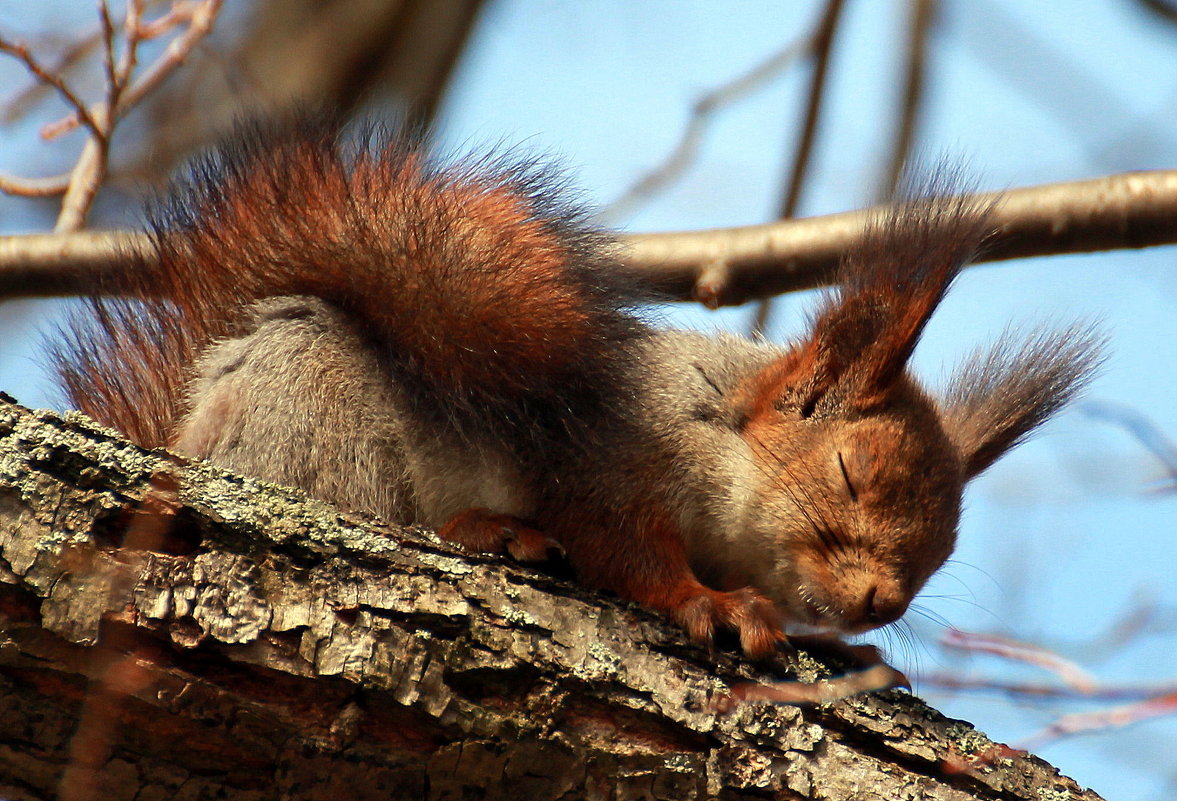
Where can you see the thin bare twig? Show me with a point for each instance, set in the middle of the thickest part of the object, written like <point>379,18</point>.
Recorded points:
<point>14,108</point>
<point>179,13</point>
<point>1006,648</point>
<point>75,53</point>
<point>90,171</point>
<point>703,112</point>
<point>1098,721</point>
<point>1146,701</point>
<point>122,94</point>
<point>133,30</point>
<point>178,50</point>
<point>34,187</point>
<point>1144,430</point>
<point>52,79</point>
<point>136,31</point>
<point>113,85</point>
<point>802,155</point>
<point>953,681</point>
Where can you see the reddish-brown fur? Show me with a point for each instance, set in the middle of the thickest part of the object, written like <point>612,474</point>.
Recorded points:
<point>645,561</point>
<point>474,355</point>
<point>483,531</point>
<point>388,227</point>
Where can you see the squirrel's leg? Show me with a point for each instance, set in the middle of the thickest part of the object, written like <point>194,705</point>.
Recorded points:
<point>484,531</point>
<point>298,398</point>
<point>700,610</point>
<point>648,564</point>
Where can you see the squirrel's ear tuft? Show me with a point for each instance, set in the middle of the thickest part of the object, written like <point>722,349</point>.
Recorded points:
<point>864,335</point>
<point>998,396</point>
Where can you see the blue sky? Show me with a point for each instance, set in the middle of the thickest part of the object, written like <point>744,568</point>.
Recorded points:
<point>1061,538</point>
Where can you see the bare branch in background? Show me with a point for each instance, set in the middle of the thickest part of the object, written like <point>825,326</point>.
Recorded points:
<point>121,96</point>
<point>1145,701</point>
<point>34,187</point>
<point>703,112</point>
<point>1144,431</point>
<point>1014,650</point>
<point>953,681</point>
<point>1132,210</point>
<point>919,26</point>
<point>136,31</point>
<point>199,25</point>
<point>1163,9</point>
<point>1099,721</point>
<point>823,41</point>
<point>77,53</point>
<point>342,55</point>
<point>50,79</point>
<point>16,107</point>
<point>91,168</point>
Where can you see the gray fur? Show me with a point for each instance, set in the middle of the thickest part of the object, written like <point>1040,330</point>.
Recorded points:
<point>688,398</point>
<point>297,398</point>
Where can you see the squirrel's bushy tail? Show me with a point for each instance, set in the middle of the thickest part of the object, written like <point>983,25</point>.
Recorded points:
<point>473,279</point>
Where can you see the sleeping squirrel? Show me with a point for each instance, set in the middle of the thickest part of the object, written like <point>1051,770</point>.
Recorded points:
<point>454,344</point>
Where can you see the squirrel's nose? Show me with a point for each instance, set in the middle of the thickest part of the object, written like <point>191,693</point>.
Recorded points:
<point>883,602</point>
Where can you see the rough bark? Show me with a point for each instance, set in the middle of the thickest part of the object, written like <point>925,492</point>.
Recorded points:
<point>262,645</point>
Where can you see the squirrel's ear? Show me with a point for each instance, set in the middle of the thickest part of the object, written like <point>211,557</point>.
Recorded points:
<point>1000,395</point>
<point>864,335</point>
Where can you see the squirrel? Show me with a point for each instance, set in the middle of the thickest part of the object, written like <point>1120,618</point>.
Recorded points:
<point>456,345</point>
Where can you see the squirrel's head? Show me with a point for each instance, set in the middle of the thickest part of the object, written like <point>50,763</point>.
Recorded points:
<point>862,470</point>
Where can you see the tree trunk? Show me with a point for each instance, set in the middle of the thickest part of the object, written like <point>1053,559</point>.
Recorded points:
<point>174,631</point>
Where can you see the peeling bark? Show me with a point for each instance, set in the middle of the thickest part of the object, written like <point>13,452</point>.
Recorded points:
<point>262,646</point>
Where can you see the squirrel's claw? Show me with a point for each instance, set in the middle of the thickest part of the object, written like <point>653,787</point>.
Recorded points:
<point>745,611</point>
<point>483,531</point>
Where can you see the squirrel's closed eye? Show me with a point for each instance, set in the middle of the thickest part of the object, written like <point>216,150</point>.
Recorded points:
<point>846,478</point>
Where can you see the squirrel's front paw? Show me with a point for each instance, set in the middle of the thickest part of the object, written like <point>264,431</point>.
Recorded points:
<point>484,531</point>
<point>747,612</point>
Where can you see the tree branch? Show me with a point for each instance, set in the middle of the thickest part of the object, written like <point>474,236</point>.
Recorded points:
<point>1130,210</point>
<point>268,645</point>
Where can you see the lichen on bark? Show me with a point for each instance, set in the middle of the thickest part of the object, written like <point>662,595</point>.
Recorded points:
<point>254,643</point>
